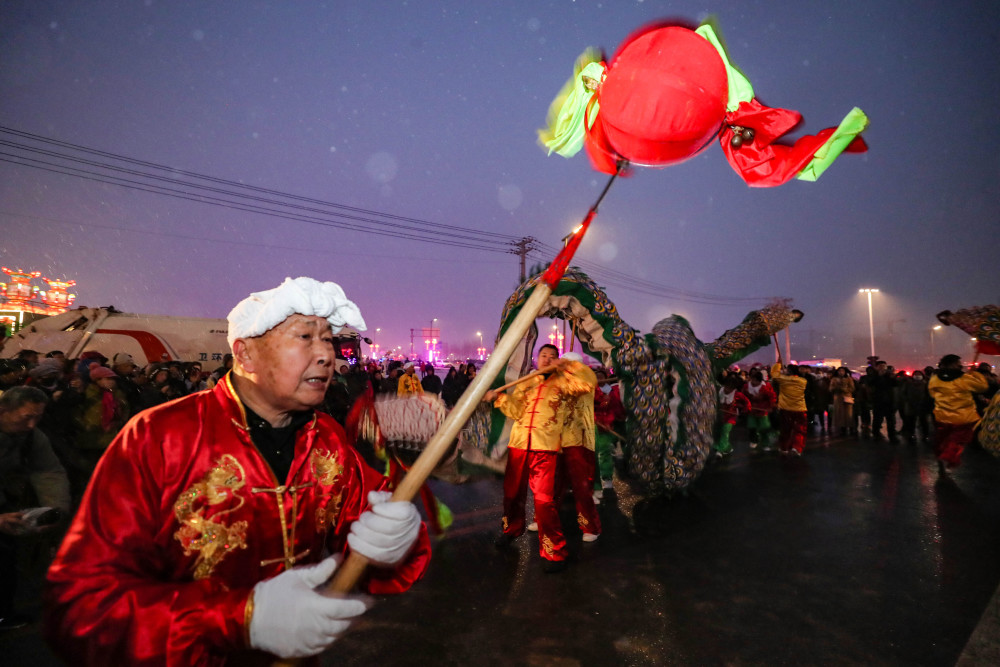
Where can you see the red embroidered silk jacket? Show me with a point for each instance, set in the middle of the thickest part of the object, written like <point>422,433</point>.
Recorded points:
<point>183,516</point>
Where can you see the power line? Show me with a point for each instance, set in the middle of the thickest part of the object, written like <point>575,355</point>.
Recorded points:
<point>237,184</point>
<point>233,197</point>
<point>626,281</point>
<point>237,206</point>
<point>226,241</point>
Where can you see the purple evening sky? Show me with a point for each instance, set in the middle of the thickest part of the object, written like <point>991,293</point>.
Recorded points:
<point>428,111</point>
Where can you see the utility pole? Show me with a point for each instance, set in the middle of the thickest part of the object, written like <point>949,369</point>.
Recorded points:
<point>522,247</point>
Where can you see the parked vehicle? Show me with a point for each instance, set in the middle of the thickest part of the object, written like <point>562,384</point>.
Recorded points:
<point>148,338</point>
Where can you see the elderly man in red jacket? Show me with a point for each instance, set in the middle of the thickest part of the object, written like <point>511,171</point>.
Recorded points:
<point>211,520</point>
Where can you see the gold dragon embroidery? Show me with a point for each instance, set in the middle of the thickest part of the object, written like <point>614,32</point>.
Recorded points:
<point>327,469</point>
<point>548,547</point>
<point>208,536</point>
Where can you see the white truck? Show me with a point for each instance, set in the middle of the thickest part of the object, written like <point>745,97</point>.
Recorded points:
<point>148,338</point>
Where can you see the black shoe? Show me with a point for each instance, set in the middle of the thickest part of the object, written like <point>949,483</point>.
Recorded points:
<point>942,470</point>
<point>553,566</point>
<point>503,540</point>
<point>14,621</point>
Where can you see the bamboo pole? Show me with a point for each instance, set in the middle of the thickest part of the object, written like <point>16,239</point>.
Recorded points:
<point>353,568</point>
<point>351,571</point>
<point>524,378</point>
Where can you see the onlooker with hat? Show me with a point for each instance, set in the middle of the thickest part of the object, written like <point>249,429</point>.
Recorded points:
<point>160,387</point>
<point>29,357</point>
<point>58,422</point>
<point>337,402</point>
<point>49,376</point>
<point>83,366</point>
<point>100,416</point>
<point>409,383</point>
<point>431,382</point>
<point>193,380</point>
<point>124,367</point>
<point>13,373</point>
<point>451,388</point>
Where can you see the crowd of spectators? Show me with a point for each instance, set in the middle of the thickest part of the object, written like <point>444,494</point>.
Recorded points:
<point>878,403</point>
<point>91,398</point>
<point>75,407</point>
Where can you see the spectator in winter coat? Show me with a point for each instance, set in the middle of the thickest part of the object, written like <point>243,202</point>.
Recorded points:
<point>842,392</point>
<point>100,416</point>
<point>883,394</point>
<point>124,367</point>
<point>431,382</point>
<point>451,388</point>
<point>914,406</point>
<point>30,477</point>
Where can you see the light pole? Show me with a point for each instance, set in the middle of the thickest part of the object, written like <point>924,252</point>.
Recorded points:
<point>481,350</point>
<point>933,329</point>
<point>433,344</point>
<point>871,321</point>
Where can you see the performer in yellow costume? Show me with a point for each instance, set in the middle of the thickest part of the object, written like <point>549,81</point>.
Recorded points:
<point>536,407</point>
<point>409,383</point>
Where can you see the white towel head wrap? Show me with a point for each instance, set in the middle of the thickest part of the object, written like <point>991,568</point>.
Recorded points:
<point>262,311</point>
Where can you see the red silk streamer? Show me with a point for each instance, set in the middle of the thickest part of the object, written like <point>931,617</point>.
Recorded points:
<point>764,163</point>
<point>558,267</point>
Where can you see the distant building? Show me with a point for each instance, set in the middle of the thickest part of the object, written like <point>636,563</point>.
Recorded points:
<point>21,302</point>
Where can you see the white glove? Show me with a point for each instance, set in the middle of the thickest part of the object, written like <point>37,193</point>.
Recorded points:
<point>292,620</point>
<point>386,532</point>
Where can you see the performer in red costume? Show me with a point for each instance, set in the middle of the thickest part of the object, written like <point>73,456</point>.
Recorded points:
<point>732,402</point>
<point>535,405</point>
<point>185,547</point>
<point>762,401</point>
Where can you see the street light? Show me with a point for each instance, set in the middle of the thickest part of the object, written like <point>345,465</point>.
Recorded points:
<point>871,321</point>
<point>481,350</point>
<point>933,329</point>
<point>433,345</point>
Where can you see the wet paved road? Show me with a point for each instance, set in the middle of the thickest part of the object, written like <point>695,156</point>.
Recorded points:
<point>854,554</point>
